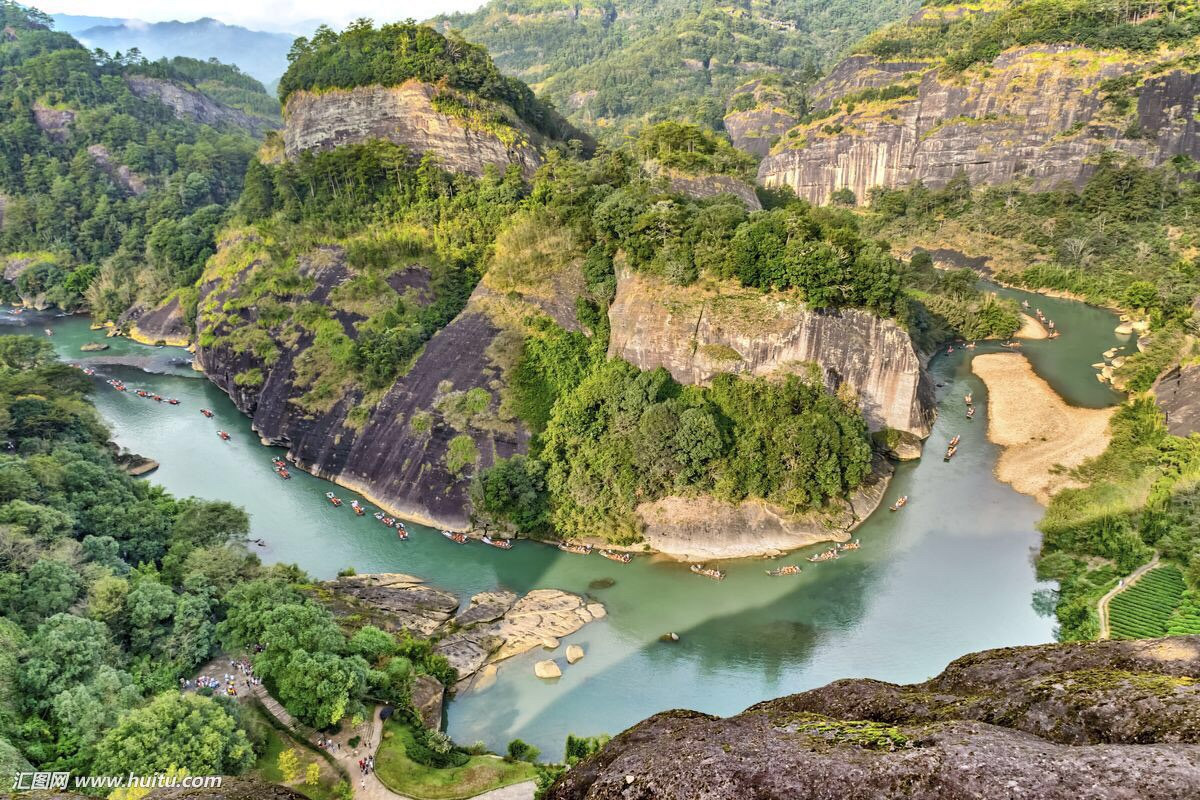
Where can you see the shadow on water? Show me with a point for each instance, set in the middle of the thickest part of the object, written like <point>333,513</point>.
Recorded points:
<point>949,574</point>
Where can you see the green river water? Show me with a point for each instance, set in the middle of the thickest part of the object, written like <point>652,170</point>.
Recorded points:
<point>950,574</point>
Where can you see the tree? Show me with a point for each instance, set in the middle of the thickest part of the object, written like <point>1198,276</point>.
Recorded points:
<point>312,774</point>
<point>318,687</point>
<point>204,523</point>
<point>372,643</point>
<point>64,651</point>
<point>188,731</point>
<point>24,352</point>
<point>519,750</point>
<point>289,764</point>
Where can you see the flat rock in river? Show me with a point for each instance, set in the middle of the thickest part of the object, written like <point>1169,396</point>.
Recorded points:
<point>398,601</point>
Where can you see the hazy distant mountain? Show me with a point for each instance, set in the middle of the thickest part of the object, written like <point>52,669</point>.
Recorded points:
<point>258,53</point>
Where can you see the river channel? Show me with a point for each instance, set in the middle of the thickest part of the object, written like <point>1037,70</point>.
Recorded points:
<point>949,574</point>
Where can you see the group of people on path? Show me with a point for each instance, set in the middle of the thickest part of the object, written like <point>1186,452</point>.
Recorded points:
<point>228,681</point>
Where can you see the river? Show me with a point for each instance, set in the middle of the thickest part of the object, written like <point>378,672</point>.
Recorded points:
<point>949,574</point>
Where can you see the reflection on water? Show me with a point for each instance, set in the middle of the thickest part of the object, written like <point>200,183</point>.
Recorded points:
<point>949,574</point>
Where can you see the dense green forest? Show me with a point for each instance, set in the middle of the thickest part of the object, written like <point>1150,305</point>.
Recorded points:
<point>107,198</point>
<point>963,40</point>
<point>111,591</point>
<point>613,65</point>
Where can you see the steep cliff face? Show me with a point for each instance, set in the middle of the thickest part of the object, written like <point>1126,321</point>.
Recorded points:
<point>1102,720</point>
<point>187,103</point>
<point>167,324</point>
<point>708,185</point>
<point>700,331</point>
<point>1036,113</point>
<point>396,453</point>
<point>406,116</point>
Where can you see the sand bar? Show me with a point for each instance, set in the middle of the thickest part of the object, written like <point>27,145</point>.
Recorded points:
<point>1031,328</point>
<point>1036,428</point>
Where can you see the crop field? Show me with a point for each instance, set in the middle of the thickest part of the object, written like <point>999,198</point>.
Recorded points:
<point>1144,610</point>
<point>1186,618</point>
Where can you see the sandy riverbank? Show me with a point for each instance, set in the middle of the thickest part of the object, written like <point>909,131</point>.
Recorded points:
<point>1039,432</point>
<point>1031,329</point>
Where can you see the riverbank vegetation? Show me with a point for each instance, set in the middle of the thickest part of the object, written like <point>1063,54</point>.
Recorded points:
<point>1137,498</point>
<point>112,592</point>
<point>425,765</point>
<point>122,198</point>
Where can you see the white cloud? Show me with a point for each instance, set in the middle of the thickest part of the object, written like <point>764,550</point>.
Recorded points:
<point>293,16</point>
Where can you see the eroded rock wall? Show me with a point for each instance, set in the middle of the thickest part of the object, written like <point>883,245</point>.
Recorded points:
<point>700,331</point>
<point>188,103</point>
<point>397,456</point>
<point>403,115</point>
<point>1035,114</point>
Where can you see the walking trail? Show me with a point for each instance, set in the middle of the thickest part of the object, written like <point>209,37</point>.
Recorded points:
<point>1105,632</point>
<point>366,787</point>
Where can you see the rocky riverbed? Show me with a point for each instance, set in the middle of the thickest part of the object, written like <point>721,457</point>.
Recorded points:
<point>491,627</point>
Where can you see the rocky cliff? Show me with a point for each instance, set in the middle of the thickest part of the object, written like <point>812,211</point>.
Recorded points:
<point>1039,113</point>
<point>395,452</point>
<point>188,103</point>
<point>1178,395</point>
<point>406,116</point>
<point>699,331</point>
<point>1102,720</point>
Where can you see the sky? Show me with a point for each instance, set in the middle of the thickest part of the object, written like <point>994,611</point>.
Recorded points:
<point>292,16</point>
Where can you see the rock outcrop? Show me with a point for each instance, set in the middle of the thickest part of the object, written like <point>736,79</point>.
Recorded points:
<point>192,104</point>
<point>1102,720</point>
<point>406,116</point>
<point>1178,395</point>
<point>700,331</point>
<point>396,456</point>
<point>704,528</point>
<point>54,122</point>
<point>121,175</point>
<point>428,698</point>
<point>542,616</point>
<point>1035,113</point>
<point>703,186</point>
<point>167,324</point>
<point>494,627</point>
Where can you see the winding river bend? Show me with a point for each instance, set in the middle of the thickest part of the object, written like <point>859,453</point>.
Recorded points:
<point>949,574</point>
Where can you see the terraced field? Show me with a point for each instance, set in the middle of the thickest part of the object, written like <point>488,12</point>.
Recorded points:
<point>1186,618</point>
<point>1144,610</point>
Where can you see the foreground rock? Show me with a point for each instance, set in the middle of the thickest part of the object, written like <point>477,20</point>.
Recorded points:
<point>1103,720</point>
<point>547,669</point>
<point>428,696</point>
<point>1039,432</point>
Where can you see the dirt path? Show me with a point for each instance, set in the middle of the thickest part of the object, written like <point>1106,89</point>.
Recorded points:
<point>1043,437</point>
<point>1102,606</point>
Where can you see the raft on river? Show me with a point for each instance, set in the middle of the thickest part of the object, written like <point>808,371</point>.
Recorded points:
<point>790,569</point>
<point>620,558</point>
<point>707,572</point>
<point>577,549</point>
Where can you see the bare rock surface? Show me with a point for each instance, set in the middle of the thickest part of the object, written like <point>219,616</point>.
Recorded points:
<point>404,601</point>
<point>700,331</point>
<point>122,175</point>
<point>428,695</point>
<point>1178,395</point>
<point>703,528</point>
<point>404,115</point>
<point>547,669</point>
<point>188,103</point>
<point>167,324</point>
<point>1105,720</point>
<point>1034,113</point>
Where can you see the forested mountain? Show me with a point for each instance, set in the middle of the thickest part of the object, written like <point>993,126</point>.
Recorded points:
<point>115,173</point>
<point>613,65</point>
<point>261,54</point>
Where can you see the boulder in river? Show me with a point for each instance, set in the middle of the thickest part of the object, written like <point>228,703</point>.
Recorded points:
<point>394,601</point>
<point>93,347</point>
<point>547,669</point>
<point>574,653</point>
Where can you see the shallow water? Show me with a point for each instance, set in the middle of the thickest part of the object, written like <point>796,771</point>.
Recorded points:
<point>949,574</point>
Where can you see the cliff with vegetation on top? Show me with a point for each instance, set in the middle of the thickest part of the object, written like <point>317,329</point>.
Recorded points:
<point>1052,722</point>
<point>1001,92</point>
<point>701,331</point>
